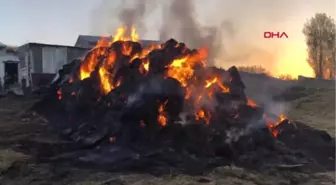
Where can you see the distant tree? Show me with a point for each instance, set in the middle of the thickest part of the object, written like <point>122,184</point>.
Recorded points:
<point>253,69</point>
<point>286,77</point>
<point>320,40</point>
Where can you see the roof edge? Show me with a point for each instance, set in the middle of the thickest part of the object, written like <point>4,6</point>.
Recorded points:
<point>52,45</point>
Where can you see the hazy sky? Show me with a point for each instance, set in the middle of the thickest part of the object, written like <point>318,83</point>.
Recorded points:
<point>57,22</point>
<point>61,21</point>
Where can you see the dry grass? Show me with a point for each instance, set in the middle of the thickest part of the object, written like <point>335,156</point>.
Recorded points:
<point>9,157</point>
<point>316,109</point>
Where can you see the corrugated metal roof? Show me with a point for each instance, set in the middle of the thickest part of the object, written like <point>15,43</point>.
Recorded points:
<point>51,45</point>
<point>89,38</point>
<point>89,41</point>
<point>2,45</point>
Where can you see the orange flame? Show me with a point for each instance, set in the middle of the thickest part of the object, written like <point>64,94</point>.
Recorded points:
<point>144,67</point>
<point>144,53</point>
<point>188,93</point>
<point>210,82</point>
<point>272,126</point>
<point>122,35</point>
<point>103,42</point>
<point>126,49</point>
<point>104,74</point>
<point>217,80</point>
<point>162,119</point>
<point>251,103</point>
<point>89,64</point>
<point>202,115</point>
<point>182,69</point>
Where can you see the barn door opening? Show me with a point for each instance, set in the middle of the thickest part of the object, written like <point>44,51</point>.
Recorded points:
<point>11,73</point>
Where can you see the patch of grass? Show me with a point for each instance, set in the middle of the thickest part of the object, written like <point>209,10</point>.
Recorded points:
<point>9,157</point>
<point>316,109</point>
<point>297,92</point>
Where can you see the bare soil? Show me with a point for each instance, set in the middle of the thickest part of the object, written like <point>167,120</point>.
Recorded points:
<point>24,141</point>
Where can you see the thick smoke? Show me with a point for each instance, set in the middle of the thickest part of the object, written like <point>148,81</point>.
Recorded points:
<point>229,32</point>
<point>109,15</point>
<point>233,30</point>
<point>180,18</point>
<point>135,15</point>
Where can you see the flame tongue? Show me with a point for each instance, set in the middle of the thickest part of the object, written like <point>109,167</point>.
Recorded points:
<point>273,126</point>
<point>162,118</point>
<point>202,115</point>
<point>89,64</point>
<point>123,35</point>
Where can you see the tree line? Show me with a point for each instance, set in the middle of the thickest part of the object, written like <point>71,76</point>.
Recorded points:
<point>320,39</point>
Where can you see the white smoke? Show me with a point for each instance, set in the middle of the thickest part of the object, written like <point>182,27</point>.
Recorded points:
<point>229,28</point>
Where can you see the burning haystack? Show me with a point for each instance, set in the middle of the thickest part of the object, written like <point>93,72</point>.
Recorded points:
<point>161,105</point>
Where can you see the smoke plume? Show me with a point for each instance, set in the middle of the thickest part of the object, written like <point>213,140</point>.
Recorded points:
<point>232,30</point>
<point>181,20</point>
<point>111,14</point>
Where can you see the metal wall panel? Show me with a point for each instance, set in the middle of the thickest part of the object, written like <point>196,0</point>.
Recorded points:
<point>53,58</point>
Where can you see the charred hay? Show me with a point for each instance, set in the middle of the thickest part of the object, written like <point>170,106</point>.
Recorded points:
<point>163,107</point>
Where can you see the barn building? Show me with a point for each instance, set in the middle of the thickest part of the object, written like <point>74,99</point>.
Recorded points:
<point>40,62</point>
<point>88,41</point>
<point>35,64</point>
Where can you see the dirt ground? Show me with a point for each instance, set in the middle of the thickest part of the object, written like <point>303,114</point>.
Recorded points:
<point>22,141</point>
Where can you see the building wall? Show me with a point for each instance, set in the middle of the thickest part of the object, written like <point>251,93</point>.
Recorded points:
<point>2,67</point>
<point>2,71</point>
<point>53,58</point>
<point>26,66</point>
<point>5,56</point>
<point>36,57</point>
<point>45,59</point>
<point>87,41</point>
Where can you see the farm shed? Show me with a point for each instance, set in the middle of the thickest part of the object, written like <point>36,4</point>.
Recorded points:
<point>40,62</point>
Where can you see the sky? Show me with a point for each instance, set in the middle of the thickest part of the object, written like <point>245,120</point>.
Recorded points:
<point>61,21</point>
<point>54,22</point>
